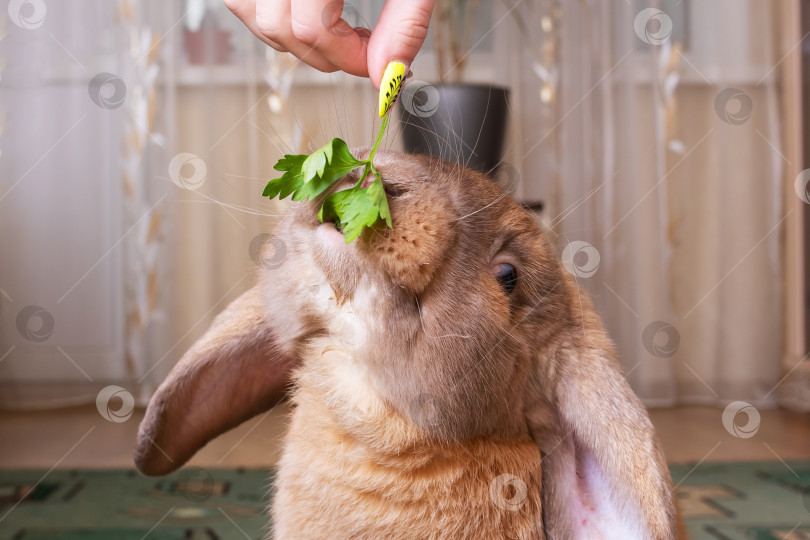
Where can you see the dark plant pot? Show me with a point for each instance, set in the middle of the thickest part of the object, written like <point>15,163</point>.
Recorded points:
<point>465,123</point>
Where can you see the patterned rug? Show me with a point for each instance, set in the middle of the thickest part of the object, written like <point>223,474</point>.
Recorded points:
<point>193,504</point>
<point>753,501</point>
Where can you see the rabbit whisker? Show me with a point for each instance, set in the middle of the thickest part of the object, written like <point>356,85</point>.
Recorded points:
<point>504,194</point>
<point>579,295</point>
<point>263,179</point>
<point>421,323</point>
<point>231,206</point>
<point>489,352</point>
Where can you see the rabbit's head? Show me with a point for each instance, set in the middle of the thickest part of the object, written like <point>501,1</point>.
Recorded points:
<point>467,324</point>
<point>447,307</point>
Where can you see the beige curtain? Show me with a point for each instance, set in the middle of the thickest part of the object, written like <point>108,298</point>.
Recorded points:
<point>143,133</point>
<point>655,141</point>
<point>235,118</point>
<point>653,137</point>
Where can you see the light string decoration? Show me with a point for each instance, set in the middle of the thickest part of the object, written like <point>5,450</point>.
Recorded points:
<point>141,214</point>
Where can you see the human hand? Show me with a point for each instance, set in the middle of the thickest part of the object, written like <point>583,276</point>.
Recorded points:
<point>313,31</point>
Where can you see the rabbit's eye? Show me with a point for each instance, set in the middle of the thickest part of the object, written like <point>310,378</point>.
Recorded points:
<point>506,274</point>
<point>393,190</point>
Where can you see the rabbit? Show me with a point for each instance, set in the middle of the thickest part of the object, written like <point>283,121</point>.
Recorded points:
<point>448,377</point>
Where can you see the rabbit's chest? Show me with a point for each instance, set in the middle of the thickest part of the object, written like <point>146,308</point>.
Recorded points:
<point>354,468</point>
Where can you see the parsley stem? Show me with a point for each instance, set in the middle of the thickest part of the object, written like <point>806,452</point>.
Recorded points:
<point>379,139</point>
<point>370,161</point>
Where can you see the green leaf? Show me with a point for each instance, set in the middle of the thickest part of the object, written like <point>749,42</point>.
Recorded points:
<point>376,193</point>
<point>315,164</point>
<point>290,181</point>
<point>307,177</point>
<point>340,163</point>
<point>355,208</point>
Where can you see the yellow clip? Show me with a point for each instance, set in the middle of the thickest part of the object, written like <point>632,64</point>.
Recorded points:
<point>390,85</point>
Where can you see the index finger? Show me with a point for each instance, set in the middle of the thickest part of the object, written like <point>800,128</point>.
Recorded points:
<point>318,23</point>
<point>398,35</point>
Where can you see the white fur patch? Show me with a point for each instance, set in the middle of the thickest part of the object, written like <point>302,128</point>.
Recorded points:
<point>597,514</point>
<point>351,381</point>
<point>349,324</point>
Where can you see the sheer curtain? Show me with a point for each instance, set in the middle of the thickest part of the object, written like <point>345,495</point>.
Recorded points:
<point>137,136</point>
<point>61,203</point>
<point>655,139</point>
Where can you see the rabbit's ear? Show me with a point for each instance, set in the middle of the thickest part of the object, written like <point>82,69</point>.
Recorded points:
<point>235,371</point>
<point>604,472</point>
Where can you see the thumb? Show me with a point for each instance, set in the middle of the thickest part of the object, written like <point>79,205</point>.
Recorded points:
<point>398,35</point>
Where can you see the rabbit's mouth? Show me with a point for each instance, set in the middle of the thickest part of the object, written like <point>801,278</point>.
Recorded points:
<point>331,227</point>
<point>329,231</point>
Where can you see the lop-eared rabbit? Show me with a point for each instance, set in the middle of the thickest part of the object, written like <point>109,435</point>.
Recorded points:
<point>449,379</point>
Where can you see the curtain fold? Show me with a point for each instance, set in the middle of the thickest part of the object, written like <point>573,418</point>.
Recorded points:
<point>660,162</point>
<point>138,141</point>
<point>652,131</point>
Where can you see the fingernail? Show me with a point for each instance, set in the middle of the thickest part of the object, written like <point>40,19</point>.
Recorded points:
<point>391,84</point>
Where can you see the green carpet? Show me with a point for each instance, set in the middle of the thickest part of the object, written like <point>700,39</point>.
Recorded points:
<point>755,501</point>
<point>193,504</point>
<point>759,501</point>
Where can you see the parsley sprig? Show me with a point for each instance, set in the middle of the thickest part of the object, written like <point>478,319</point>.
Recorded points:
<point>308,176</point>
<point>357,207</point>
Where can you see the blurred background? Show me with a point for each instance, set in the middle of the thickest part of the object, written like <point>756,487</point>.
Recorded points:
<point>663,144</point>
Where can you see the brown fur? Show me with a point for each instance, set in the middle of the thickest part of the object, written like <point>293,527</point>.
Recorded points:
<point>346,456</point>
<point>407,425</point>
